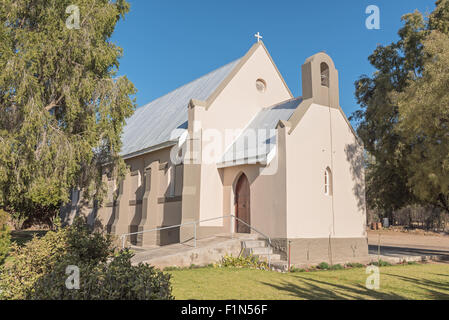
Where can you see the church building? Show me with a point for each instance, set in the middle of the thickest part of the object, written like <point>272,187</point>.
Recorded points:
<point>236,142</point>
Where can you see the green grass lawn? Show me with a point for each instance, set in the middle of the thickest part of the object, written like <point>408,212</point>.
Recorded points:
<point>423,281</point>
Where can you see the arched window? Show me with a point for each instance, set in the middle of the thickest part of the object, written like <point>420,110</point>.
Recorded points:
<point>324,74</point>
<point>328,182</point>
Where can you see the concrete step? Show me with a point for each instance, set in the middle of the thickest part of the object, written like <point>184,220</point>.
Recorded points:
<point>245,236</point>
<point>279,265</point>
<point>257,251</point>
<point>263,252</point>
<point>273,257</point>
<point>254,243</point>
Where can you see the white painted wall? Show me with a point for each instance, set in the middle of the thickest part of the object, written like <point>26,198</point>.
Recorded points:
<point>310,212</point>
<point>234,108</point>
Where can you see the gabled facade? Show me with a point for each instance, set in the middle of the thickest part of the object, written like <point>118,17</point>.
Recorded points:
<point>236,142</point>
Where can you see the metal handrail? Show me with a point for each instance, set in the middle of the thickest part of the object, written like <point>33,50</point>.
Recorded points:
<point>267,237</point>
<point>125,235</point>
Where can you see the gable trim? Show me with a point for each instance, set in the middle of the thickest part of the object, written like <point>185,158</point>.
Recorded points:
<point>299,113</point>
<point>301,110</point>
<point>237,68</point>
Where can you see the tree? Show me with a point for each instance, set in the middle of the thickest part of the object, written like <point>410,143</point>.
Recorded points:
<point>388,174</point>
<point>62,104</point>
<point>424,123</point>
<point>5,237</point>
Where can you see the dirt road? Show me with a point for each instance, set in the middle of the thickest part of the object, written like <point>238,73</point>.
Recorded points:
<point>403,243</point>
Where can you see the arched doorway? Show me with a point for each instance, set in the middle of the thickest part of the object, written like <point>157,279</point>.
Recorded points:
<point>242,204</point>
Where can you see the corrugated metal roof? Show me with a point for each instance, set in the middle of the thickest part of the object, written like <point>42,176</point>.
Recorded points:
<point>165,118</point>
<point>259,137</point>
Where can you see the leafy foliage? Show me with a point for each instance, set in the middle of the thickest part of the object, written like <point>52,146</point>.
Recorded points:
<point>228,261</point>
<point>354,265</point>
<point>29,263</point>
<point>424,123</point>
<point>62,106</point>
<point>5,238</point>
<point>381,263</point>
<point>116,280</point>
<point>38,269</point>
<point>324,266</point>
<point>389,174</point>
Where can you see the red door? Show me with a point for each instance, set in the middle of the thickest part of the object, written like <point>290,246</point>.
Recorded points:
<point>242,205</point>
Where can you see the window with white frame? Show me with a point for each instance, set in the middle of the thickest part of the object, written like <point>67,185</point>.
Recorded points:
<point>328,182</point>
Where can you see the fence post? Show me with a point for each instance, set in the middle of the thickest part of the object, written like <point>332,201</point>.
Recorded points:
<point>269,254</point>
<point>378,250</point>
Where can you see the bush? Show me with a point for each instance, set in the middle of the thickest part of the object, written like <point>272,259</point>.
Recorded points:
<point>336,267</point>
<point>243,262</point>
<point>381,263</point>
<point>116,280</point>
<point>323,266</point>
<point>354,265</point>
<point>5,237</point>
<point>37,270</point>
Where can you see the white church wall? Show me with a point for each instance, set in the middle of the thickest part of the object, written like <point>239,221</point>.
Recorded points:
<point>311,213</point>
<point>349,192</point>
<point>233,108</point>
<point>309,210</point>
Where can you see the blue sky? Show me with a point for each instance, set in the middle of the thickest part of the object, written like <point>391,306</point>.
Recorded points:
<point>169,43</point>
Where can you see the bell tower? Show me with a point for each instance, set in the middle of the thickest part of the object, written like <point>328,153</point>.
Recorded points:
<point>320,80</point>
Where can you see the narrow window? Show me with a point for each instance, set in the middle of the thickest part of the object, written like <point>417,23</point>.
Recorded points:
<point>139,179</point>
<point>178,179</point>
<point>328,182</point>
<point>324,74</point>
<point>171,181</point>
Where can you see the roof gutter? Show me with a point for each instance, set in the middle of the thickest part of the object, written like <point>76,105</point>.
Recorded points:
<point>150,149</point>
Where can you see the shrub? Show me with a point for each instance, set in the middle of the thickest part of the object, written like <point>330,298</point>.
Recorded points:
<point>336,267</point>
<point>381,263</point>
<point>30,262</point>
<point>243,262</point>
<point>35,271</point>
<point>323,266</point>
<point>18,219</point>
<point>5,237</point>
<point>116,280</point>
<point>354,265</point>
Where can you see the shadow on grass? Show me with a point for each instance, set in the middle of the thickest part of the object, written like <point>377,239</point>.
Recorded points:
<point>312,289</point>
<point>430,286</point>
<point>21,237</point>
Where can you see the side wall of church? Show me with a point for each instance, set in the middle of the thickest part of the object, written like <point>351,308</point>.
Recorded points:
<point>325,212</point>
<point>149,197</point>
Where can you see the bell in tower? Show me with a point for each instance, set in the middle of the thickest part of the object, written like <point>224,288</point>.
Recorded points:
<point>320,80</point>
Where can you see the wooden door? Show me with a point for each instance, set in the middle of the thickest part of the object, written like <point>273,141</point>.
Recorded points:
<point>242,205</point>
